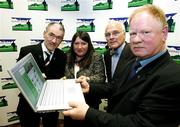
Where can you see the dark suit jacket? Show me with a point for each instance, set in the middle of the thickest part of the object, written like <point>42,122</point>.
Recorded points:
<point>55,70</point>
<point>125,57</point>
<point>150,99</point>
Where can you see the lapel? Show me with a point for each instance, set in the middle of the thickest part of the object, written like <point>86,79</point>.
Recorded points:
<point>38,55</point>
<point>107,59</point>
<point>142,75</point>
<point>53,57</point>
<point>125,57</point>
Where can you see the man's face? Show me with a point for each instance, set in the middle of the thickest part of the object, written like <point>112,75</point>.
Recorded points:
<point>115,36</point>
<point>147,36</point>
<point>53,37</point>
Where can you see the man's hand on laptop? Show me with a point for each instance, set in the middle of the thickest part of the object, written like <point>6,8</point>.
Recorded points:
<point>84,84</point>
<point>78,110</point>
<point>44,76</point>
<point>63,78</point>
<point>84,78</point>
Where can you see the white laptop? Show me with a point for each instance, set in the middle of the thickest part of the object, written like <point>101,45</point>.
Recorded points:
<point>44,95</point>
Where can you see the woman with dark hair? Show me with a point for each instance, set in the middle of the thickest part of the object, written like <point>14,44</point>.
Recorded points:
<point>82,60</point>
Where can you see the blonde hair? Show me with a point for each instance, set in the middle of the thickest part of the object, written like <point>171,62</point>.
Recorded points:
<point>154,11</point>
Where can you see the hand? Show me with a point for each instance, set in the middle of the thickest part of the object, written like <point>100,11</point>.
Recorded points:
<point>63,78</point>
<point>84,84</point>
<point>44,75</point>
<point>78,111</point>
<point>84,78</point>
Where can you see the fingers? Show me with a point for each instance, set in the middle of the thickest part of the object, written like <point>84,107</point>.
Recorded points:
<point>71,111</point>
<point>84,78</point>
<point>67,112</point>
<point>63,78</point>
<point>73,104</point>
<point>78,110</point>
<point>44,76</point>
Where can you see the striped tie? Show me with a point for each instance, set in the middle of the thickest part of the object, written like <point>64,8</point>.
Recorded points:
<point>47,60</point>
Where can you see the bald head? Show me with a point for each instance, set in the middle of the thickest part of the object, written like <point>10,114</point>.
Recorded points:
<point>115,34</point>
<point>119,25</point>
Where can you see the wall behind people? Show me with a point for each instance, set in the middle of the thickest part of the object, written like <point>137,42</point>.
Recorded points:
<point>94,12</point>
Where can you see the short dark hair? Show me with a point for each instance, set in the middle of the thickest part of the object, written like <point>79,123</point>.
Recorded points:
<point>52,23</point>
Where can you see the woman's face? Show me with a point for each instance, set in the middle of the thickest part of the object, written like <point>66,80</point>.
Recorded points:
<point>80,47</point>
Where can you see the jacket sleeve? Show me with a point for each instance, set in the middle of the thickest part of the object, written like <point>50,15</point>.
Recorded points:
<point>160,107</point>
<point>98,68</point>
<point>97,118</point>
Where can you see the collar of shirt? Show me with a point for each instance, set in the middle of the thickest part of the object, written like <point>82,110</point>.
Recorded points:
<point>115,58</point>
<point>44,49</point>
<point>149,60</point>
<point>119,50</point>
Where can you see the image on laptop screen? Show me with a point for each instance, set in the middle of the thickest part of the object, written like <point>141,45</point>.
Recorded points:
<point>44,95</point>
<point>28,76</point>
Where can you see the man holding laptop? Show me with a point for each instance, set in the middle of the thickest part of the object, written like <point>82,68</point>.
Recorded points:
<point>48,58</point>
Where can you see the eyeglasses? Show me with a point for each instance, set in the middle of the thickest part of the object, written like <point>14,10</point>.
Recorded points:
<point>114,34</point>
<point>52,36</point>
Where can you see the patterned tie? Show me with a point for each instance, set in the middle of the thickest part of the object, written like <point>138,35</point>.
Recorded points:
<point>113,52</point>
<point>134,68</point>
<point>47,60</point>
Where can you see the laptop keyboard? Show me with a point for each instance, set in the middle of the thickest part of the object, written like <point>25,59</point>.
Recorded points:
<point>53,91</point>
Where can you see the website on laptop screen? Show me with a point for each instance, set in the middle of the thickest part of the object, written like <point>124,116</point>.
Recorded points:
<point>29,79</point>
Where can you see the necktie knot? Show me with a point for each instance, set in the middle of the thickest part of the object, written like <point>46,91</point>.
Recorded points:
<point>134,68</point>
<point>113,52</point>
<point>137,65</point>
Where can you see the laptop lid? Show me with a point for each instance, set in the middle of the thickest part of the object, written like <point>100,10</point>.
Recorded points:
<point>28,78</point>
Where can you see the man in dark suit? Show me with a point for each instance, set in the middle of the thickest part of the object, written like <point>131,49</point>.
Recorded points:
<point>118,53</point>
<point>119,50</point>
<point>150,98</point>
<point>53,68</point>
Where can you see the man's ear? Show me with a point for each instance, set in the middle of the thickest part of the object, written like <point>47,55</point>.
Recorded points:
<point>44,33</point>
<point>164,33</point>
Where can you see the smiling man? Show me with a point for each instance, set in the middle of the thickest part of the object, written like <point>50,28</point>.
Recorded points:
<point>51,62</point>
<point>118,54</point>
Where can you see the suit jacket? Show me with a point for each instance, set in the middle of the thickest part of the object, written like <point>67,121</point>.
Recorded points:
<point>150,99</point>
<point>55,69</point>
<point>56,66</point>
<point>125,57</point>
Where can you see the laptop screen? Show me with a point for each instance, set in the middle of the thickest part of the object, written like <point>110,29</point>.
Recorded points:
<point>28,77</point>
